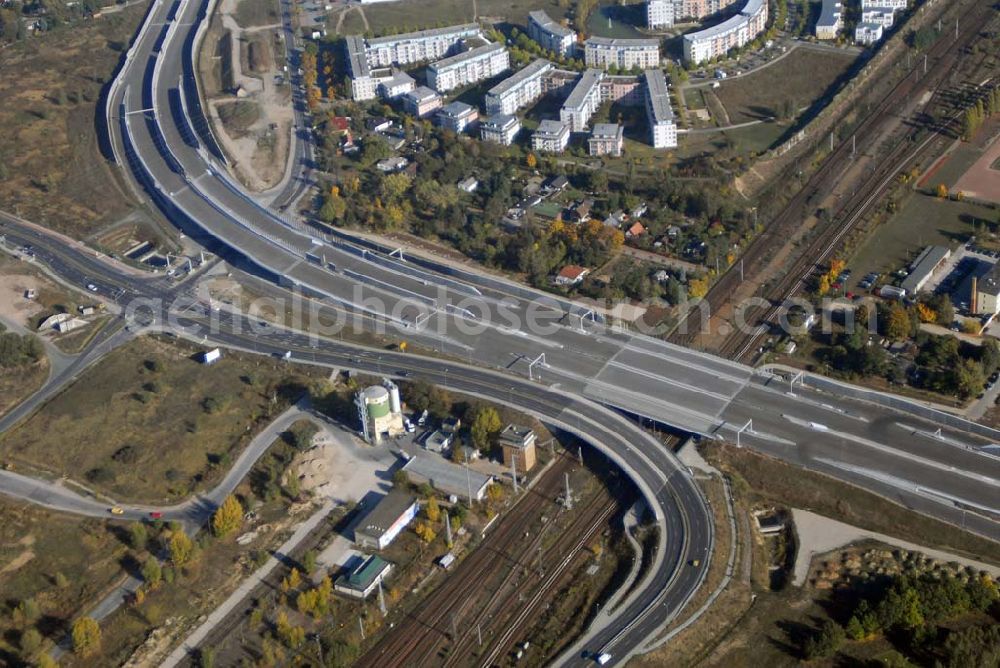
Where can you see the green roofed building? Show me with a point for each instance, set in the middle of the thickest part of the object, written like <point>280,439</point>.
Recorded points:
<point>364,579</point>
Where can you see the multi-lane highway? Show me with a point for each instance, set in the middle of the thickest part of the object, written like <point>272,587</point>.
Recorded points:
<point>575,366</point>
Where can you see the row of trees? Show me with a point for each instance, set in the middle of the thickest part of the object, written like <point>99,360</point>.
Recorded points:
<point>977,114</point>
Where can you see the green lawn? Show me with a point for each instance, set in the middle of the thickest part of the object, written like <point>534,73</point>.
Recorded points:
<point>802,77</point>
<point>921,221</point>
<point>152,424</point>
<point>417,14</point>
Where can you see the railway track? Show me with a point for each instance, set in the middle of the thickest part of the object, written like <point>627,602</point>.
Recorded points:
<point>414,640</point>
<point>942,55</point>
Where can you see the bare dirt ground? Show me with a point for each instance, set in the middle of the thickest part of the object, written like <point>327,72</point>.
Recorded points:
<point>13,306</point>
<point>241,66</point>
<point>982,180</point>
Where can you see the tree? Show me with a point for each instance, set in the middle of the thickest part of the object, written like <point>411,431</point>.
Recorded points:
<point>825,642</point>
<point>485,424</point>
<point>181,549</point>
<point>968,378</point>
<point>228,517</point>
<point>898,325</point>
<point>926,313</point>
<point>292,581</point>
<point>424,530</point>
<point>942,191</point>
<point>697,288</point>
<point>31,642</point>
<point>152,572</point>
<point>86,636</point>
<point>531,161</point>
<point>309,562</point>
<point>432,510</point>
<point>137,535</point>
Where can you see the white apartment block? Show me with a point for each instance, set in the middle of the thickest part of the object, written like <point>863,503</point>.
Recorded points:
<point>468,67</point>
<point>500,129</point>
<point>895,5</point>
<point>397,84</point>
<point>518,91</point>
<point>421,101</point>
<point>659,113</point>
<point>551,137</point>
<point>415,47</point>
<point>699,9</point>
<point>606,139</point>
<point>831,20</point>
<point>550,35</point>
<point>730,34</point>
<point>363,86</point>
<point>659,14</point>
<point>625,54</point>
<point>457,116</point>
<point>884,16</point>
<point>583,101</point>
<point>868,33</point>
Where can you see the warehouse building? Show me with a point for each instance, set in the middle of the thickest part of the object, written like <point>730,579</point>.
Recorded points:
<point>659,113</point>
<point>386,520</point>
<point>583,101</point>
<point>732,33</point>
<point>363,579</point>
<point>922,268</point>
<point>468,67</point>
<point>447,478</point>
<point>500,129</point>
<point>519,90</point>
<point>603,52</point>
<point>550,35</point>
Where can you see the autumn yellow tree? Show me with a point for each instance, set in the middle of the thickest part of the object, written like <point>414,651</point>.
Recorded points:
<point>531,161</point>
<point>292,581</point>
<point>181,549</point>
<point>432,510</point>
<point>86,636</point>
<point>926,313</point>
<point>228,517</point>
<point>942,191</point>
<point>424,530</point>
<point>697,287</point>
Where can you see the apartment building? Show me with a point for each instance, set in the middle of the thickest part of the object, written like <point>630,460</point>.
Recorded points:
<point>603,52</point>
<point>519,90</point>
<point>659,14</point>
<point>500,129</point>
<point>415,47</point>
<point>551,137</point>
<point>550,35</point>
<point>421,101</point>
<point>659,113</point>
<point>583,101</point>
<point>363,86</point>
<point>895,5</point>
<point>831,20</point>
<point>468,67</point>
<point>398,83</point>
<point>732,33</point>
<point>868,33</point>
<point>884,16</point>
<point>606,139</point>
<point>457,116</point>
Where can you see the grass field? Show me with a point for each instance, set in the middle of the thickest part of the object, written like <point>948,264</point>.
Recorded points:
<point>20,383</point>
<point>921,221</point>
<point>417,14</point>
<point>751,139</point>
<point>59,561</point>
<point>802,77</point>
<point>151,424</point>
<point>51,168</point>
<point>251,13</point>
